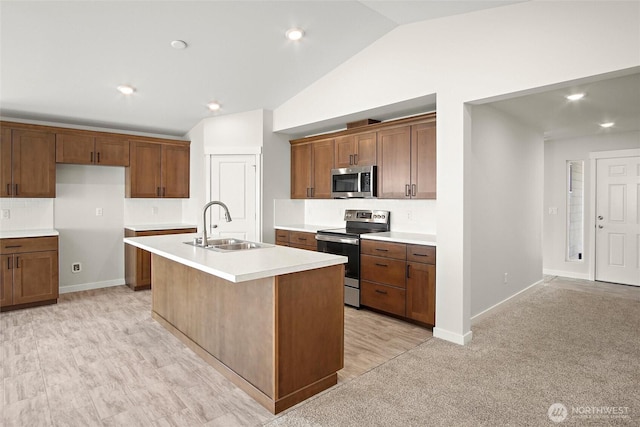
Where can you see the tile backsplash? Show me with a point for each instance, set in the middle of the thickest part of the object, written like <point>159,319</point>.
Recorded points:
<point>26,214</point>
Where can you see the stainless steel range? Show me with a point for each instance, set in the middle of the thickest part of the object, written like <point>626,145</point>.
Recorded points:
<point>346,242</point>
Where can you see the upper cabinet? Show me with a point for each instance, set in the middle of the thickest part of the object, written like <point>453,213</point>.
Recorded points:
<point>27,163</point>
<point>407,162</point>
<point>88,149</point>
<point>311,165</point>
<point>158,170</point>
<point>356,150</point>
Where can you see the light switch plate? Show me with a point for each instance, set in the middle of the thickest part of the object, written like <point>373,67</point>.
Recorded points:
<point>6,214</point>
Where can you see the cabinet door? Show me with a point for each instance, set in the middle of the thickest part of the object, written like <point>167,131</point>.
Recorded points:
<point>5,163</point>
<point>366,149</point>
<point>175,171</point>
<point>143,175</point>
<point>345,149</point>
<point>394,163</point>
<point>73,148</point>
<point>6,280</point>
<point>111,151</point>
<point>34,163</point>
<point>421,292</point>
<point>300,171</point>
<point>423,161</point>
<point>322,164</point>
<point>35,277</point>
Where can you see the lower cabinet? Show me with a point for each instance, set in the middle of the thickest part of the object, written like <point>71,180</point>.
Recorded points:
<point>399,279</point>
<point>29,272</point>
<point>137,262</point>
<point>296,239</point>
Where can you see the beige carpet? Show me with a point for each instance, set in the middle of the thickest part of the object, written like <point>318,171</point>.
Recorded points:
<point>551,346</point>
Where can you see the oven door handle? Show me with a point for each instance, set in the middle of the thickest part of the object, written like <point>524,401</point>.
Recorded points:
<point>336,239</point>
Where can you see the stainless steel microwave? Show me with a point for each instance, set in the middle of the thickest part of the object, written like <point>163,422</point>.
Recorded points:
<point>357,182</point>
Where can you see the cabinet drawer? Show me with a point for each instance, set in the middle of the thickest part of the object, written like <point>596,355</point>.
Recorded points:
<point>385,298</point>
<point>131,233</point>
<point>302,238</point>
<point>385,249</point>
<point>301,246</point>
<point>282,236</point>
<point>421,253</point>
<point>383,270</point>
<point>28,244</point>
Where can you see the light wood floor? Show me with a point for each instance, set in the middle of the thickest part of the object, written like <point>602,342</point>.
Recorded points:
<point>98,359</point>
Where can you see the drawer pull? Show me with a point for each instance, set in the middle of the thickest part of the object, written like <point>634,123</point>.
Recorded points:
<point>13,246</point>
<point>302,238</point>
<point>425,255</point>
<point>378,291</point>
<point>381,265</point>
<point>9,263</point>
<point>382,250</point>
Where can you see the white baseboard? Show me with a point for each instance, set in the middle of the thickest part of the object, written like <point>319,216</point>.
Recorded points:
<point>452,336</point>
<point>570,274</point>
<point>514,297</point>
<point>88,286</point>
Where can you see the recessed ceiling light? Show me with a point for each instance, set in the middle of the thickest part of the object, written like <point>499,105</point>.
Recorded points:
<point>294,34</point>
<point>126,89</point>
<point>607,124</point>
<point>213,106</point>
<point>575,96</point>
<point>178,44</point>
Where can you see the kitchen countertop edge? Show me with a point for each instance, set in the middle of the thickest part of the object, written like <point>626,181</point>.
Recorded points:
<point>20,234</point>
<point>403,237</point>
<point>309,228</point>
<point>157,227</point>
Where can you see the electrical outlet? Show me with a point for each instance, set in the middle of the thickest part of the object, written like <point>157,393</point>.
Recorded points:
<point>506,278</point>
<point>553,211</point>
<point>76,267</point>
<point>154,210</point>
<point>6,213</point>
<point>99,212</point>
<point>410,215</point>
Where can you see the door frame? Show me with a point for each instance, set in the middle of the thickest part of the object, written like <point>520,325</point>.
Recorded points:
<point>238,151</point>
<point>591,219</point>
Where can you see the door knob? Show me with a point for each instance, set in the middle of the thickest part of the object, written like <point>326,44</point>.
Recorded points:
<point>601,226</point>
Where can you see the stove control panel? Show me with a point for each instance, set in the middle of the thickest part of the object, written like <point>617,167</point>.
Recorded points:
<point>352,215</point>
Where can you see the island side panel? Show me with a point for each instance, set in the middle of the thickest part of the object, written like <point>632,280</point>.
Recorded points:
<point>310,331</point>
<point>234,322</point>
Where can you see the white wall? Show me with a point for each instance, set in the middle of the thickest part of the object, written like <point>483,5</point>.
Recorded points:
<point>464,58</point>
<point>505,205</point>
<point>94,241</point>
<point>556,155</point>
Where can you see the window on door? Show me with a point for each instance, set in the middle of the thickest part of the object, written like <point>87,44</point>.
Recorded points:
<point>575,210</point>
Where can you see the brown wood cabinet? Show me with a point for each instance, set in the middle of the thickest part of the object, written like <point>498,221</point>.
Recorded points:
<point>27,163</point>
<point>137,262</point>
<point>296,239</point>
<point>87,149</point>
<point>157,170</point>
<point>407,162</point>
<point>399,279</point>
<point>356,150</point>
<point>29,272</point>
<point>311,165</point>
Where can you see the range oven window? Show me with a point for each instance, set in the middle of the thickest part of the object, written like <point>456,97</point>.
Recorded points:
<point>352,252</point>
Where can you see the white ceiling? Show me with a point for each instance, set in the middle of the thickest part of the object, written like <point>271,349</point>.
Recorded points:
<point>61,61</point>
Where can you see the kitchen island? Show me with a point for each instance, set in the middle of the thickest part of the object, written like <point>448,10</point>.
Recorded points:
<point>270,319</point>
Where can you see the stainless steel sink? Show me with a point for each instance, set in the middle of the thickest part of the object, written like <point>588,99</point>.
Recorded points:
<point>226,245</point>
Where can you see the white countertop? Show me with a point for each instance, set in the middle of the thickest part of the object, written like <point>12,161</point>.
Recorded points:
<point>19,234</point>
<point>154,227</point>
<point>402,237</point>
<point>238,266</point>
<point>309,228</point>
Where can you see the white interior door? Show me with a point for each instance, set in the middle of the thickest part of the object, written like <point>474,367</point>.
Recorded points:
<point>233,182</point>
<point>617,221</point>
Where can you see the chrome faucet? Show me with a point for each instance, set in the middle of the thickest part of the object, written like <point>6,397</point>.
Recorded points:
<point>227,216</point>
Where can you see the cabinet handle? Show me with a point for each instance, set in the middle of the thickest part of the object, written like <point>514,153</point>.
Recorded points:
<point>302,238</point>
<point>425,255</point>
<point>355,159</point>
<point>17,262</point>
<point>98,157</point>
<point>92,157</point>
<point>13,246</point>
<point>307,191</point>
<point>408,271</point>
<point>406,190</point>
<point>382,250</point>
<point>157,191</point>
<point>413,189</point>
<point>350,159</point>
<point>164,191</point>
<point>16,193</point>
<point>9,263</point>
<point>381,265</point>
<point>378,291</point>
<point>313,191</point>
<point>8,189</point>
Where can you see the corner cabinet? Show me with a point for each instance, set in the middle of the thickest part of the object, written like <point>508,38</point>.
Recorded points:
<point>158,170</point>
<point>407,162</point>
<point>27,163</point>
<point>399,279</point>
<point>311,165</point>
<point>29,272</point>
